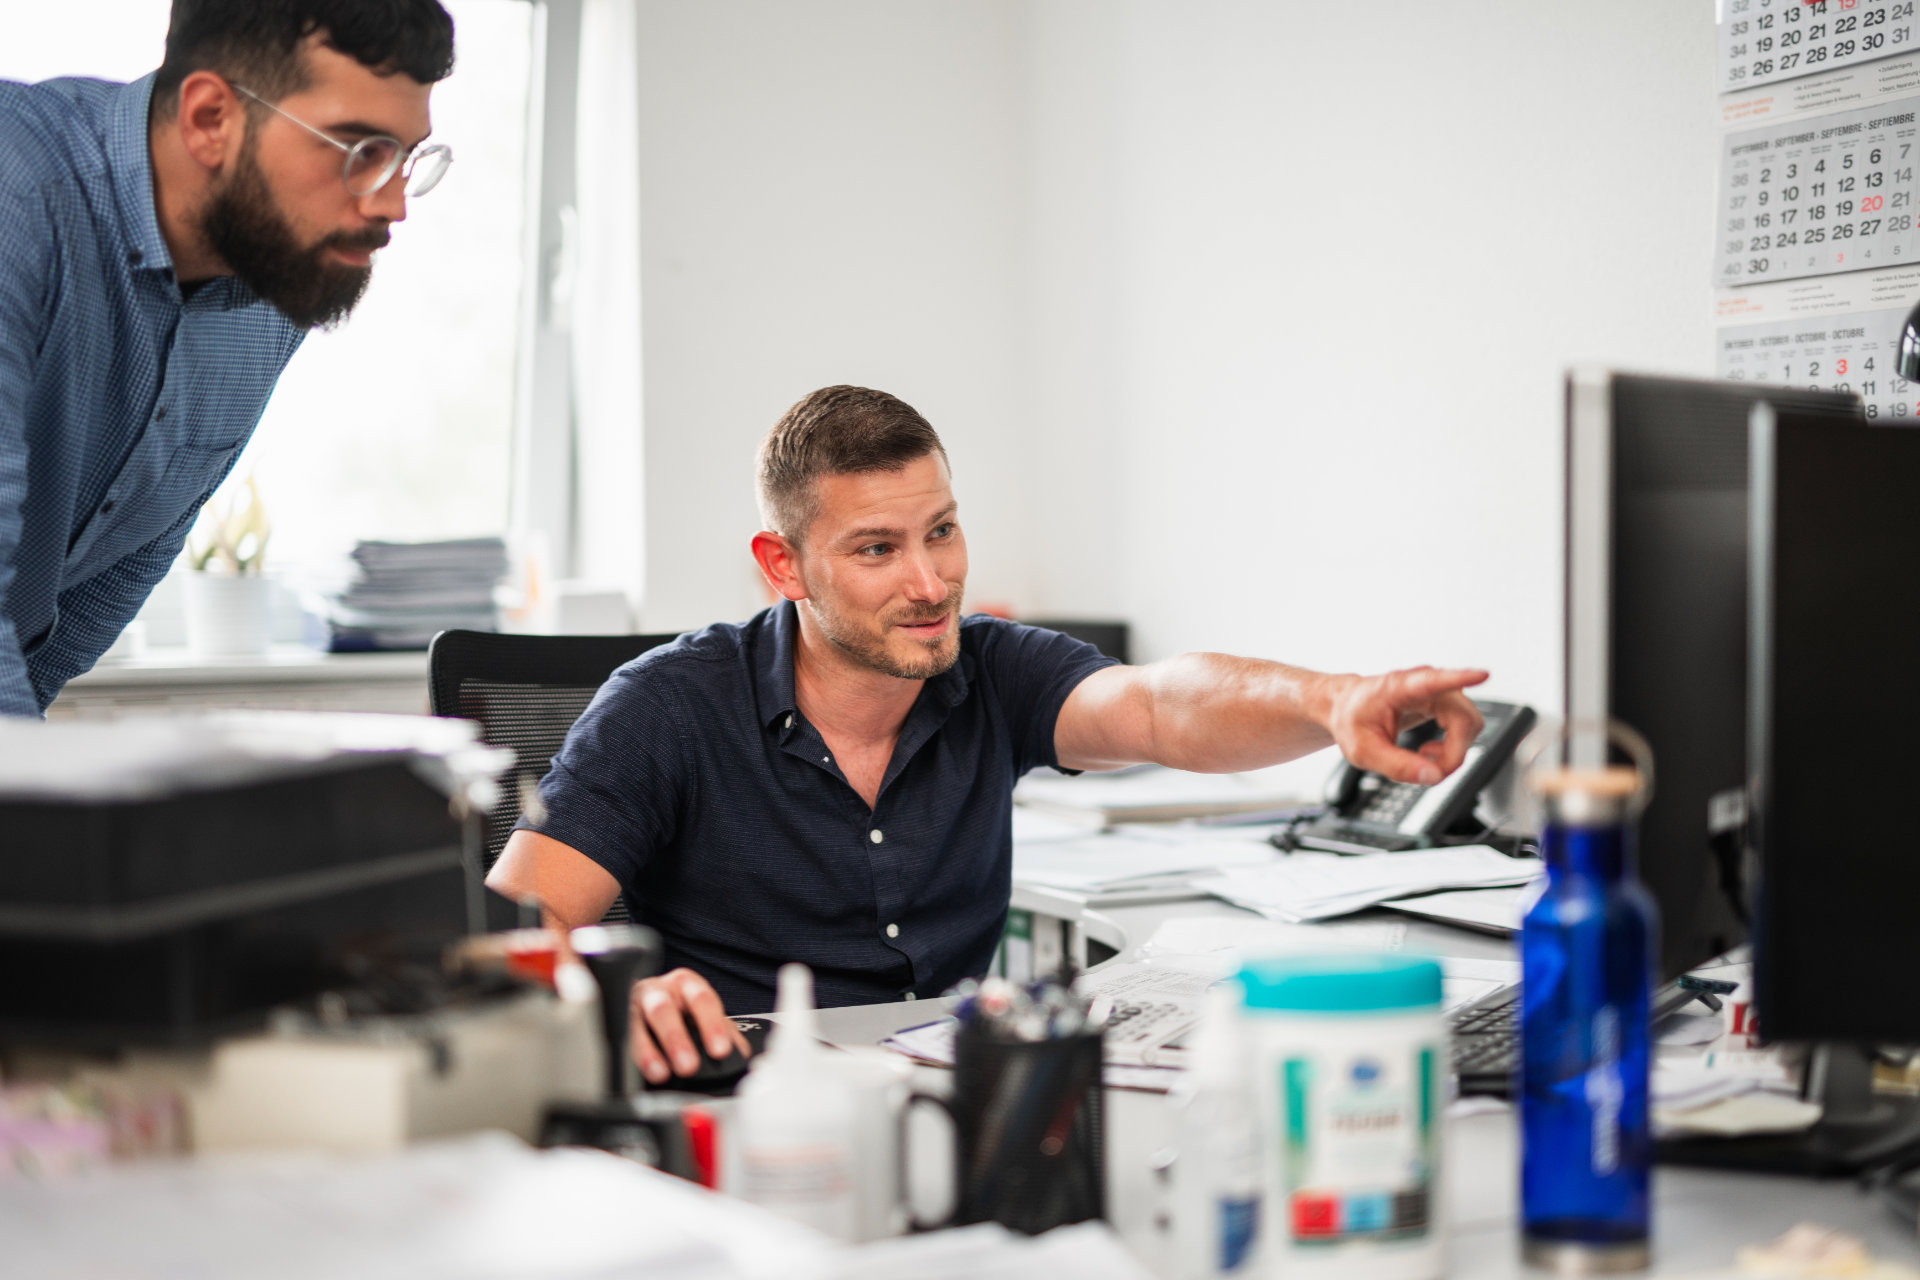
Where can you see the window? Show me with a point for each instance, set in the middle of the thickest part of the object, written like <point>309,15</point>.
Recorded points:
<point>400,423</point>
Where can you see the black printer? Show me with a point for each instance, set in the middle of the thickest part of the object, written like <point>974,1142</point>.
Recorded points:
<point>165,880</point>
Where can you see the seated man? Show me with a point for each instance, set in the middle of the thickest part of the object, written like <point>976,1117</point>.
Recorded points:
<point>831,781</point>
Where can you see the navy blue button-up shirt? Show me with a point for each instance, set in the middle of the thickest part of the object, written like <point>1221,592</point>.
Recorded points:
<point>696,781</point>
<point>123,404</point>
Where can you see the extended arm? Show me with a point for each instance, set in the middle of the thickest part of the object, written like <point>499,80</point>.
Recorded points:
<point>1217,714</point>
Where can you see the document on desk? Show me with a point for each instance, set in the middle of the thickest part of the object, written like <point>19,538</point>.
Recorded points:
<point>1235,937</point>
<point>1096,864</point>
<point>1155,795</point>
<point>1486,910</point>
<point>1318,886</point>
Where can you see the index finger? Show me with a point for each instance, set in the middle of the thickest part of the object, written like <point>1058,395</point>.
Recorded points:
<point>1431,682</point>
<point>710,1015</point>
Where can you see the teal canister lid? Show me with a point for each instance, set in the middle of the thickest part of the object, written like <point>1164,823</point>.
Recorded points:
<point>1353,983</point>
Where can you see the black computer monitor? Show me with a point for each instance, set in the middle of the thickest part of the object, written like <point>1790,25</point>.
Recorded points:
<point>1656,619</point>
<point>1835,729</point>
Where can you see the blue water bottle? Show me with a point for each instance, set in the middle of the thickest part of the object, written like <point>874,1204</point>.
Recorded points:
<point>1587,959</point>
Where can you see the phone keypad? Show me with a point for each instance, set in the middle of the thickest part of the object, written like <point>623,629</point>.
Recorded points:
<point>1390,803</point>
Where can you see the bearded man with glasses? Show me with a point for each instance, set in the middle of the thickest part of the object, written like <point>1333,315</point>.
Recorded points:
<point>164,246</point>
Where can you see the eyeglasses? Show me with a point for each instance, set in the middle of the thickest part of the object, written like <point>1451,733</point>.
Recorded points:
<point>372,161</point>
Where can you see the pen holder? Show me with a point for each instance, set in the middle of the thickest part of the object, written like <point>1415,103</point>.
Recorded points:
<point>1030,1123</point>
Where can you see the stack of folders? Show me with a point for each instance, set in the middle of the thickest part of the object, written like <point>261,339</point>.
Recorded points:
<point>1153,794</point>
<point>1318,886</point>
<point>1129,861</point>
<point>403,593</point>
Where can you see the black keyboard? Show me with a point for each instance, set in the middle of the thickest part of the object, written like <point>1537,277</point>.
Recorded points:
<point>1484,1040</point>
<point>1484,1047</point>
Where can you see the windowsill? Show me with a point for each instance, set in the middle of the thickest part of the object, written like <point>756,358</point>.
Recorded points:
<point>284,663</point>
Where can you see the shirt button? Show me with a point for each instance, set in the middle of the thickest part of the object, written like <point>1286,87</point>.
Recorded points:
<point>875,836</point>
<point>826,759</point>
<point>910,996</point>
<point>789,721</point>
<point>106,506</point>
<point>893,931</point>
<point>134,257</point>
<point>160,413</point>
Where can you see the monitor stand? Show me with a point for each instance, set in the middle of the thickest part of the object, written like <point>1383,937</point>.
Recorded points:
<point>1858,1129</point>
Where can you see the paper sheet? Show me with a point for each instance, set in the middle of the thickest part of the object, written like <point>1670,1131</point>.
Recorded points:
<point>1315,886</point>
<point>1155,793</point>
<point>1253,935</point>
<point>1093,863</point>
<point>1496,910</point>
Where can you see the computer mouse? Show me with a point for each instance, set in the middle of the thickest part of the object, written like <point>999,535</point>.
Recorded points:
<point>721,1075</point>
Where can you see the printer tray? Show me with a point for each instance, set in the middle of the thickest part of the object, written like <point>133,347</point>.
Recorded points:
<point>176,919</point>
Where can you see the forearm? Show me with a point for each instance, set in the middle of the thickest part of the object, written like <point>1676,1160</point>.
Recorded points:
<point>1212,713</point>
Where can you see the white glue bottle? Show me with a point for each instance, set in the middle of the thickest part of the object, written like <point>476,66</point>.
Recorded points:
<point>1217,1194</point>
<point>794,1127</point>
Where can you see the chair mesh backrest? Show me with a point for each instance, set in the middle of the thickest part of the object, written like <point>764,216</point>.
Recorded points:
<point>525,692</point>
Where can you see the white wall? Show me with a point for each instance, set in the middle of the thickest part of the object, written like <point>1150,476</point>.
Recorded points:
<point>831,192</point>
<point>1335,275</point>
<point>1240,322</point>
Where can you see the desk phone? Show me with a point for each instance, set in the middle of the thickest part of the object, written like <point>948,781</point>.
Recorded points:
<point>1368,813</point>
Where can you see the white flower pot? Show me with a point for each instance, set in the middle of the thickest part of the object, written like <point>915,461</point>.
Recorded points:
<point>228,616</point>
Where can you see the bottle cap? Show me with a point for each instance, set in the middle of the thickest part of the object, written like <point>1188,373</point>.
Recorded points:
<point>1582,797</point>
<point>1218,1056</point>
<point>795,1032</point>
<point>1352,983</point>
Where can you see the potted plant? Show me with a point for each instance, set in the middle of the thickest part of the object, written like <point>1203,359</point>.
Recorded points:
<point>227,596</point>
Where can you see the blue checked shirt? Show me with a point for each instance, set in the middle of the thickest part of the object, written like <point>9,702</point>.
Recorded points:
<point>695,779</point>
<point>122,404</point>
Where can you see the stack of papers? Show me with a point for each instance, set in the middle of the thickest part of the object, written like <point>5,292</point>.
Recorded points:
<point>403,593</point>
<point>1116,863</point>
<point>1155,795</point>
<point>1727,1092</point>
<point>1317,886</point>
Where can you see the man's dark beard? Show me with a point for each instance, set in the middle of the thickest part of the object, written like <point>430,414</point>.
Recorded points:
<point>871,651</point>
<point>245,227</point>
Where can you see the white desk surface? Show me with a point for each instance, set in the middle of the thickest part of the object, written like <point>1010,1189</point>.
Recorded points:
<point>1700,1217</point>
<point>284,663</point>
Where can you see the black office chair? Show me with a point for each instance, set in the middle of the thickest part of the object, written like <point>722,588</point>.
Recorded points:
<point>525,692</point>
<point>1110,638</point>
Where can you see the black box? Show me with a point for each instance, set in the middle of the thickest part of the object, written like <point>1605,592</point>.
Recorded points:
<point>173,919</point>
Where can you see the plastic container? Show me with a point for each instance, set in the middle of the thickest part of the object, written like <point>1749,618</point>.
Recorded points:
<point>796,1123</point>
<point>1349,1061</point>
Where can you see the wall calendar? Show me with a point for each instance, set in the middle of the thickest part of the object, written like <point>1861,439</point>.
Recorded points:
<point>1762,41</point>
<point>1856,353</point>
<point>1815,196</point>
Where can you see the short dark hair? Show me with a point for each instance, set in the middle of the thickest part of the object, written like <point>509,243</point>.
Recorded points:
<point>257,42</point>
<point>835,431</point>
